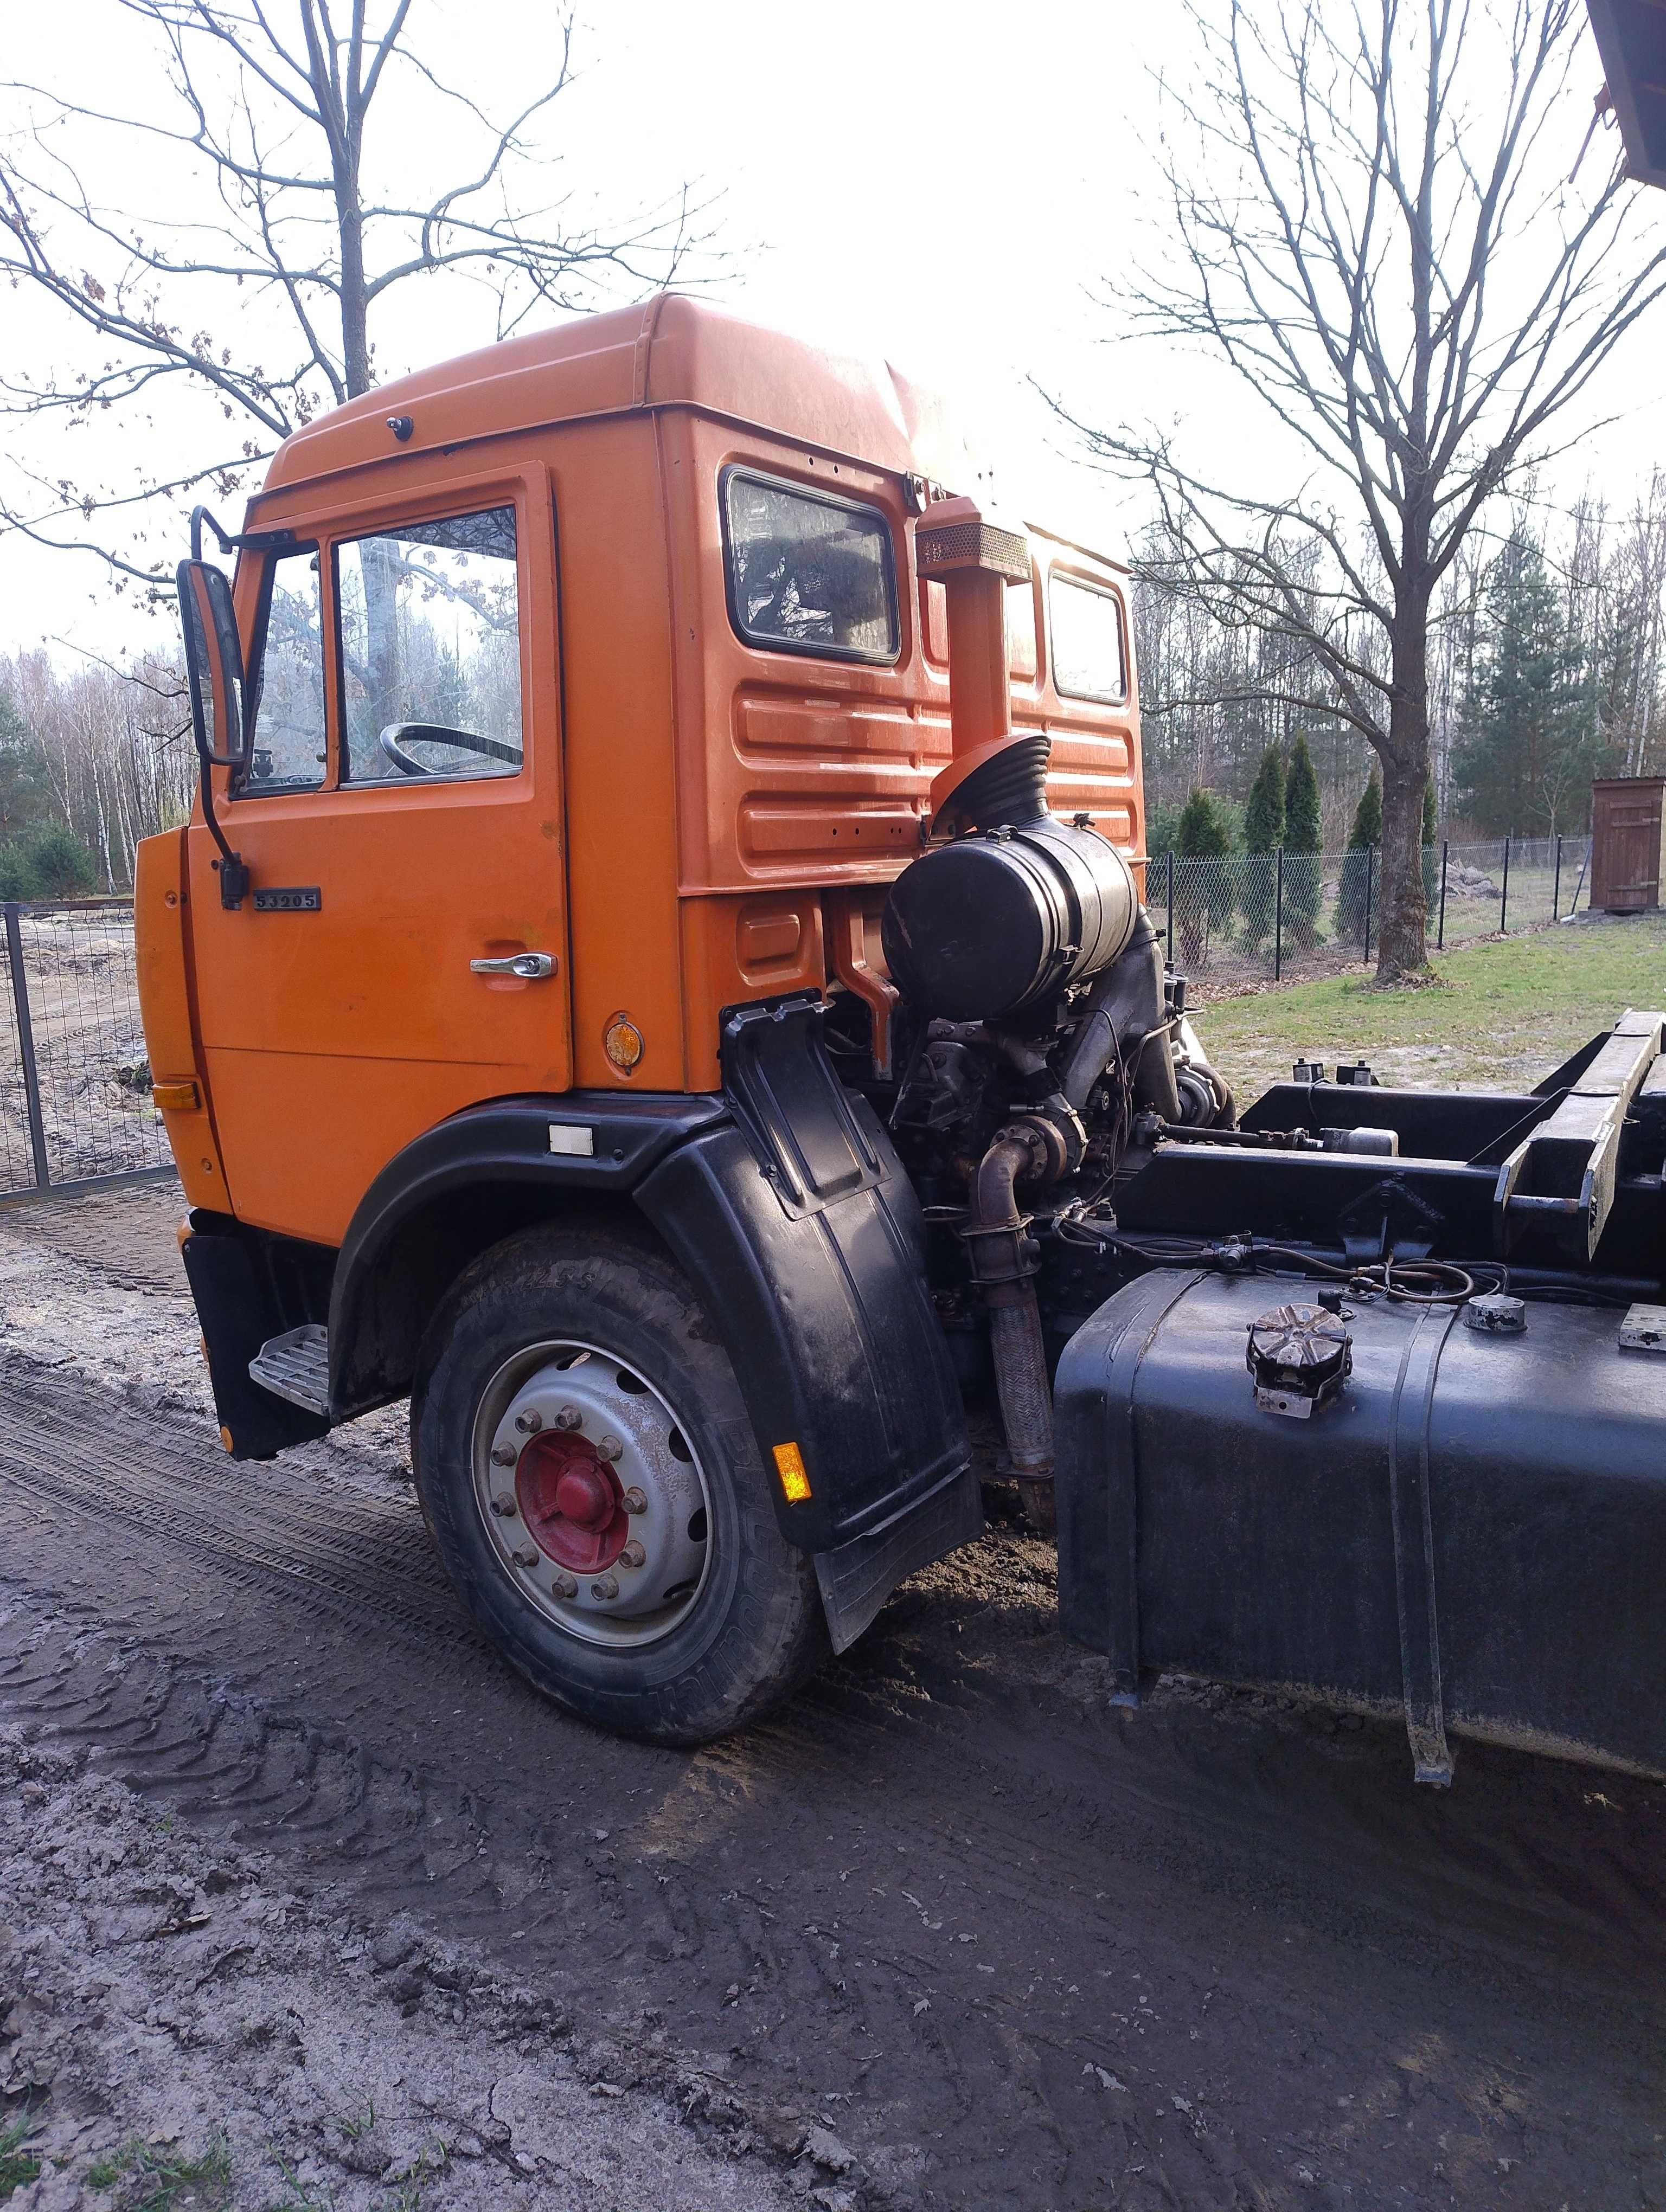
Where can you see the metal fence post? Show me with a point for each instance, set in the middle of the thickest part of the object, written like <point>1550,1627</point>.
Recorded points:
<point>1371,871</point>
<point>1440,939</point>
<point>1556,886</point>
<point>1172,906</point>
<point>19,991</point>
<point>1278,914</point>
<point>1503,895</point>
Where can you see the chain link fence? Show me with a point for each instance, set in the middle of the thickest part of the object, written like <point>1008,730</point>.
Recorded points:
<point>75,1082</point>
<point>1231,921</point>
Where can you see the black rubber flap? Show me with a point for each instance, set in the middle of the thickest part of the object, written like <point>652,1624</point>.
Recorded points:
<point>856,1579</point>
<point>239,1312</point>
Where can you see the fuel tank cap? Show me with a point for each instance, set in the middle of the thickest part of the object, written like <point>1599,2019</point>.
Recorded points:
<point>1299,1356</point>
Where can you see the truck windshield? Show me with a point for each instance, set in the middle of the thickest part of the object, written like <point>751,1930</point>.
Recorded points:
<point>808,572</point>
<point>1090,660</point>
<point>431,650</point>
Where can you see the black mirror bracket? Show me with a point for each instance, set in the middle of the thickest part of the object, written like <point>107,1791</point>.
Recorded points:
<point>233,878</point>
<point>233,870</point>
<point>232,541</point>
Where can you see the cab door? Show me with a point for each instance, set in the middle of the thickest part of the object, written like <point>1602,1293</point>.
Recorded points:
<point>401,819</point>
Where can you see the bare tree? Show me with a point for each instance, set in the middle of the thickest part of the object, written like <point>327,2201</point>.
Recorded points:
<point>1376,232</point>
<point>117,757</point>
<point>291,225</point>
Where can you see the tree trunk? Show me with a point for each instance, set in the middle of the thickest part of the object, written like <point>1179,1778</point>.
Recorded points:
<point>1402,948</point>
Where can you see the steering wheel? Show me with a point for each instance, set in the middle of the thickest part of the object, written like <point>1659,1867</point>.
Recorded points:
<point>395,736</point>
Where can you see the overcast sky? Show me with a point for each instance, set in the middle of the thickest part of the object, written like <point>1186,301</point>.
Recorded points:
<point>942,184</point>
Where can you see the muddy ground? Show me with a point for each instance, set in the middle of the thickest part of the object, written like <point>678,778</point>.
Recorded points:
<point>306,1901</point>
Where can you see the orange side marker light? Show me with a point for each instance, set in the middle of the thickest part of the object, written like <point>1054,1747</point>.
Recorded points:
<point>789,1466</point>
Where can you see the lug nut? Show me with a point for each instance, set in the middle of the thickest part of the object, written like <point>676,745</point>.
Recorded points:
<point>635,1500</point>
<point>526,1555</point>
<point>609,1448</point>
<point>633,1555</point>
<point>607,1587</point>
<point>530,1422</point>
<point>569,1417</point>
<point>565,1585</point>
<point>504,1454</point>
<point>503,1505</point>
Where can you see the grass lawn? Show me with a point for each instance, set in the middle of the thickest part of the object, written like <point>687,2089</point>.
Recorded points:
<point>1503,1015</point>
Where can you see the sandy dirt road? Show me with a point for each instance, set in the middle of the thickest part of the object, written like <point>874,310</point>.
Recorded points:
<point>951,1931</point>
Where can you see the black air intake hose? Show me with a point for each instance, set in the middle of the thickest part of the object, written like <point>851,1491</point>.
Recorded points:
<point>1124,1006</point>
<point>1008,790</point>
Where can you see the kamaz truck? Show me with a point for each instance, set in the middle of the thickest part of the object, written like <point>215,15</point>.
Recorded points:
<point>657,977</point>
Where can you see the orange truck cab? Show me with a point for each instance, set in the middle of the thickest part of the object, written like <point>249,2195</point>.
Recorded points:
<point>589,696</point>
<point>657,977</point>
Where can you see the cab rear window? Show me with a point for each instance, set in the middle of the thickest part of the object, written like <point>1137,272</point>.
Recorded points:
<point>808,572</point>
<point>1090,655</point>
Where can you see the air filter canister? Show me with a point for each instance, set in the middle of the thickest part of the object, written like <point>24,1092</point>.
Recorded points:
<point>995,922</point>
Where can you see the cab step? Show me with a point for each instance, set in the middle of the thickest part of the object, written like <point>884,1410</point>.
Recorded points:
<point>297,1366</point>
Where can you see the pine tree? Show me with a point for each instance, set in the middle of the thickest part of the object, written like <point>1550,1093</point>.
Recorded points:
<point>1529,739</point>
<point>1263,818</point>
<point>1366,835</point>
<point>1304,839</point>
<point>1204,893</point>
<point>62,865</point>
<point>1263,832</point>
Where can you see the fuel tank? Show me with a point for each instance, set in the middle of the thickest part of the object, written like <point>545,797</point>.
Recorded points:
<point>1381,1505</point>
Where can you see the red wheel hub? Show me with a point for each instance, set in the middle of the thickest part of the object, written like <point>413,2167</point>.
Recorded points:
<point>571,1502</point>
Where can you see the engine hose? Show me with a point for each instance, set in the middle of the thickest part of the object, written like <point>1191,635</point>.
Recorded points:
<point>1126,1014</point>
<point>1004,1261</point>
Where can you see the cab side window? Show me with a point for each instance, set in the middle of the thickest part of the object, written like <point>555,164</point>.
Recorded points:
<point>808,572</point>
<point>284,693</point>
<point>430,650</point>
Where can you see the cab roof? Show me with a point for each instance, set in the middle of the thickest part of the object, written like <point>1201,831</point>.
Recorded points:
<point>672,352</point>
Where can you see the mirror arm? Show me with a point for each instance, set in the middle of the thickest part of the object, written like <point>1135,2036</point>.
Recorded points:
<point>233,870</point>
<point>231,541</point>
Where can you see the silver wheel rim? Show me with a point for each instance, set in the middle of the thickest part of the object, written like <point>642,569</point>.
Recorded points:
<point>561,1408</point>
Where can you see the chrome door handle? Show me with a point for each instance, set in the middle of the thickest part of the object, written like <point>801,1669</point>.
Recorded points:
<point>533,967</point>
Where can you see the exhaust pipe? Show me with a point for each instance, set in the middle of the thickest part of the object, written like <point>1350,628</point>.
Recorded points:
<point>1004,1261</point>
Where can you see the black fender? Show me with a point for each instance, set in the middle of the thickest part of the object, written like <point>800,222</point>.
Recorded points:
<point>783,1200</point>
<point>462,1187</point>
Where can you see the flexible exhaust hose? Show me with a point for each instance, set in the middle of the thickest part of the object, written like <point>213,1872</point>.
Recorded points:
<point>1004,1262</point>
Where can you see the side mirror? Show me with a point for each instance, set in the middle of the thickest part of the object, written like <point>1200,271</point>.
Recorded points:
<point>214,665</point>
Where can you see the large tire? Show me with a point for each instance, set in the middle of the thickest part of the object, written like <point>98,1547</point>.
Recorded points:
<point>744,1625</point>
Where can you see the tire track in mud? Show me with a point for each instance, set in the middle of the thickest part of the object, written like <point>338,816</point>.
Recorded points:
<point>1010,1946</point>
<point>362,1556</point>
<point>125,1236</point>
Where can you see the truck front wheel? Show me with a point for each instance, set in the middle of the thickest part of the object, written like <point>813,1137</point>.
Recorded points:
<point>594,1487</point>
